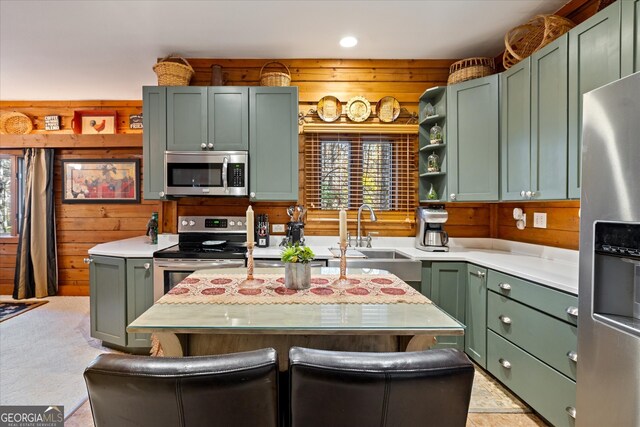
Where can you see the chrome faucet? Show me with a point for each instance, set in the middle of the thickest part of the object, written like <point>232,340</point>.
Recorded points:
<point>373,218</point>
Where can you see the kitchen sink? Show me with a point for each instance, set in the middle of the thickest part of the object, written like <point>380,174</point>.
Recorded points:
<point>384,259</point>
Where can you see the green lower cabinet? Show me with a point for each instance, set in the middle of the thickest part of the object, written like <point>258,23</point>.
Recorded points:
<point>448,291</point>
<point>550,393</point>
<point>139,296</point>
<point>108,293</point>
<point>475,337</point>
<point>120,290</point>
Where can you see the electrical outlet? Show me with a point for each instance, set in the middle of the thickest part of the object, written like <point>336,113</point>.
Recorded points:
<point>277,228</point>
<point>539,220</point>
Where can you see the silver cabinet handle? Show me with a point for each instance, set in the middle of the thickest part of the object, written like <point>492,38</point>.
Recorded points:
<point>203,145</point>
<point>88,260</point>
<point>453,196</point>
<point>479,274</point>
<point>505,363</point>
<point>531,194</point>
<point>161,194</point>
<point>523,194</point>
<point>252,195</point>
<point>146,265</point>
<point>505,319</point>
<point>210,145</point>
<point>573,356</point>
<point>571,411</point>
<point>572,311</point>
<point>504,286</point>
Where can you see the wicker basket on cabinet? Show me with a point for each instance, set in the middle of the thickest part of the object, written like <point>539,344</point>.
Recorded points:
<point>523,40</point>
<point>173,71</point>
<point>275,78</point>
<point>470,68</point>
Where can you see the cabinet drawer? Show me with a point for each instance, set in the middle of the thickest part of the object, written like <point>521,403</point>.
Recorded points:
<point>547,391</point>
<point>549,339</point>
<point>547,300</point>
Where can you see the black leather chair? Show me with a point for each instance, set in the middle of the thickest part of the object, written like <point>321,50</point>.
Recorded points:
<point>425,388</point>
<point>239,389</point>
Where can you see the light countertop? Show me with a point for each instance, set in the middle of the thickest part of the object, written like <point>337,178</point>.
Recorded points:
<point>135,247</point>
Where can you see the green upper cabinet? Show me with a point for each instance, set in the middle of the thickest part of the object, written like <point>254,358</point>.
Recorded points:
<point>475,339</point>
<point>228,118</point>
<point>515,140</point>
<point>549,98</point>
<point>139,296</point>
<point>594,60</point>
<point>154,140</point>
<point>630,37</point>
<point>187,127</point>
<point>448,291</point>
<point>473,139</point>
<point>273,143</point>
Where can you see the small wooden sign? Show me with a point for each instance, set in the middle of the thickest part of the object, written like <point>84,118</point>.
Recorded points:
<point>135,121</point>
<point>51,122</point>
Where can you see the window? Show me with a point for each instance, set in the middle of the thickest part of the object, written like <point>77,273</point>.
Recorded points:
<point>11,194</point>
<point>346,170</point>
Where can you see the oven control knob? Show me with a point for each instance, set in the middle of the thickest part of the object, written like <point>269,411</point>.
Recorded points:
<point>239,223</point>
<point>184,222</point>
<point>192,223</point>
<point>232,223</point>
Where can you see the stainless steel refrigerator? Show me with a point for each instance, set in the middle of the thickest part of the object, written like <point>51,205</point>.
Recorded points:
<point>608,378</point>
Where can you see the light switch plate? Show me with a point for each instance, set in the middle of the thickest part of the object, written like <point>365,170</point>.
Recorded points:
<point>277,228</point>
<point>539,220</point>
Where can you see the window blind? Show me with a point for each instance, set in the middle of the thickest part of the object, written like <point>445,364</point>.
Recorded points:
<point>344,170</point>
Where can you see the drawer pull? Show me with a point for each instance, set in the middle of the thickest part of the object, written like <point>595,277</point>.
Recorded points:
<point>571,411</point>
<point>504,286</point>
<point>505,363</point>
<point>505,319</point>
<point>87,260</point>
<point>479,274</point>
<point>573,356</point>
<point>572,311</point>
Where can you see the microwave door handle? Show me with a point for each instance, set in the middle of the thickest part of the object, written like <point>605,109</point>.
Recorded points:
<point>225,167</point>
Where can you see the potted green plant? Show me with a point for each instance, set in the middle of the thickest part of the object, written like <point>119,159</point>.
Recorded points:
<point>297,271</point>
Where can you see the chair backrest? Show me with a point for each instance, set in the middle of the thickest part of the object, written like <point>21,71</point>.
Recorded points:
<point>331,388</point>
<point>239,389</point>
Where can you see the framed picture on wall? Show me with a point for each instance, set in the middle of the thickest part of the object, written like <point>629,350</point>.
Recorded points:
<point>101,181</point>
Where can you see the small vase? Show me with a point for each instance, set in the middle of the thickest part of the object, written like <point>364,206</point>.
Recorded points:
<point>297,275</point>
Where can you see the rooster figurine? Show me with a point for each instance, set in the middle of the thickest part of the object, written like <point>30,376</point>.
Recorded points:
<point>98,127</point>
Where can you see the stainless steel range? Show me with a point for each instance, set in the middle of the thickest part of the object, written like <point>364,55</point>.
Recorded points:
<point>203,242</point>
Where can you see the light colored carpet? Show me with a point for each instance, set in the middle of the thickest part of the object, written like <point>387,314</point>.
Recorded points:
<point>488,395</point>
<point>44,352</point>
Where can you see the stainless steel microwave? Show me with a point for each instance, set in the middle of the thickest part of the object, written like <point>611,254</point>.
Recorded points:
<point>206,173</point>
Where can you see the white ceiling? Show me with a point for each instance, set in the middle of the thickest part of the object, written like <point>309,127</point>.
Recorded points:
<point>80,50</point>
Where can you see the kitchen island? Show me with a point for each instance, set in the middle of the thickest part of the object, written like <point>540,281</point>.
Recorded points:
<point>392,317</point>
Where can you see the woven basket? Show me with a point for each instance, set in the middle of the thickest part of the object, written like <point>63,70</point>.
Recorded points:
<point>15,123</point>
<point>470,68</point>
<point>523,40</point>
<point>173,73</point>
<point>275,78</point>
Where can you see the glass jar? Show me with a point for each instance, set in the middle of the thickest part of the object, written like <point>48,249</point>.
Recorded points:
<point>435,135</point>
<point>432,195</point>
<point>433,163</point>
<point>429,110</point>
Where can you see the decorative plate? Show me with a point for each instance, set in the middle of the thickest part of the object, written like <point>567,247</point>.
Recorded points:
<point>329,109</point>
<point>388,109</point>
<point>358,109</point>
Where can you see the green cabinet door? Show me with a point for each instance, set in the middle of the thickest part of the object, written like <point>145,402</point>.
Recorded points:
<point>228,118</point>
<point>448,290</point>
<point>473,140</point>
<point>630,41</point>
<point>594,60</point>
<point>475,337</point>
<point>139,296</point>
<point>273,143</point>
<point>515,132</point>
<point>187,118</point>
<point>154,140</point>
<point>107,299</point>
<point>549,98</point>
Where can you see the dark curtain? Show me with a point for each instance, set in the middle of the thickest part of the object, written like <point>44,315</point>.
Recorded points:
<point>36,272</point>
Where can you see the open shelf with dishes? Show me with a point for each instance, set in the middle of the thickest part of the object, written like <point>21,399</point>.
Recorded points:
<point>432,146</point>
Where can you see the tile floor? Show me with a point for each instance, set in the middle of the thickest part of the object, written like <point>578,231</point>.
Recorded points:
<point>491,406</point>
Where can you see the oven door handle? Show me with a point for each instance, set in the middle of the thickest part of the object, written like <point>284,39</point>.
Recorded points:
<point>225,168</point>
<point>199,265</point>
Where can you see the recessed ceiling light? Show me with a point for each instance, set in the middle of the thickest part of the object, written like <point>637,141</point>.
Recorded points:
<point>348,41</point>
